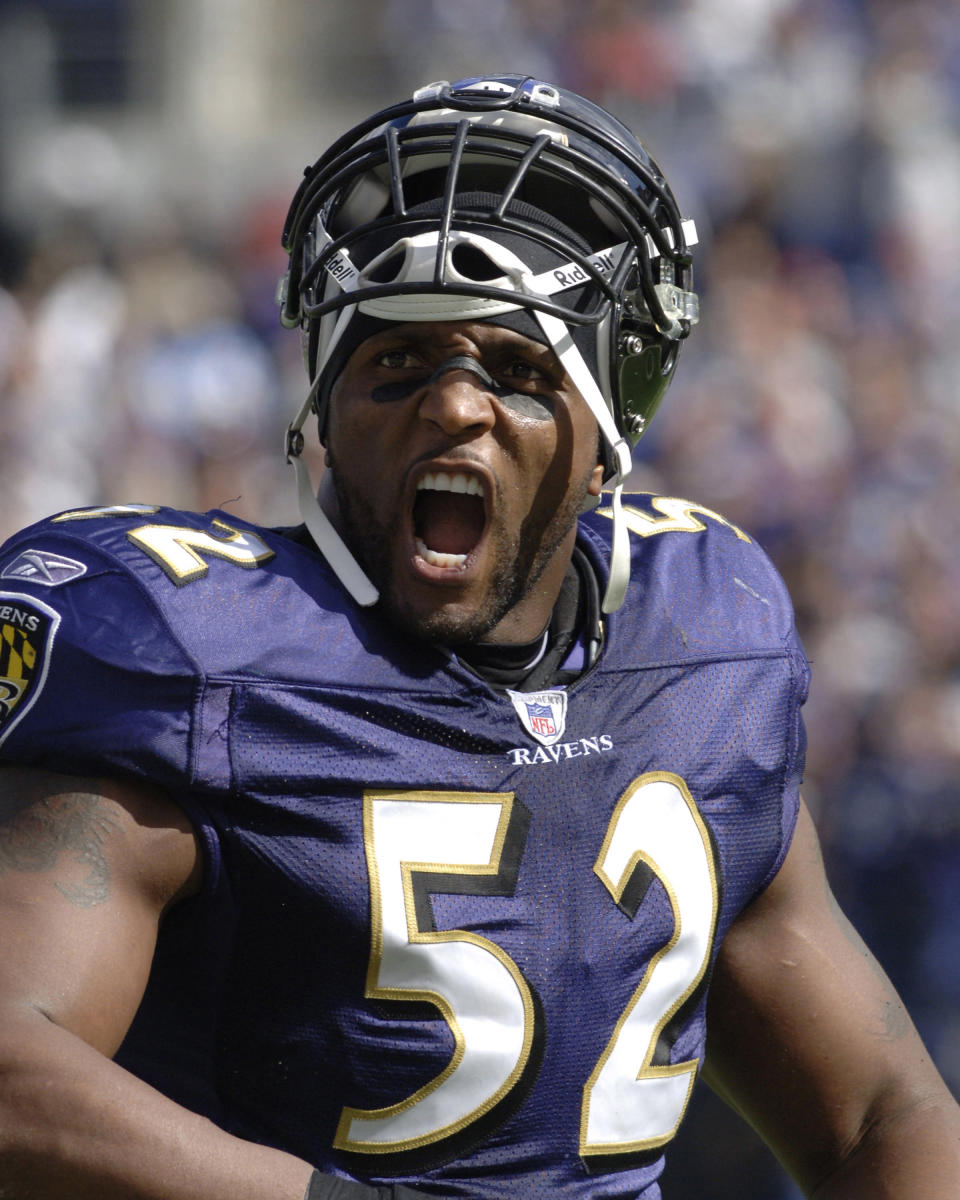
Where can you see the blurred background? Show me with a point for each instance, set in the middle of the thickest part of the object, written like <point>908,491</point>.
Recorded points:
<point>147,154</point>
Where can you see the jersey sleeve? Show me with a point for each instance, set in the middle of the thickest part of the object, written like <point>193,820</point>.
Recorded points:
<point>705,601</point>
<point>795,749</point>
<point>92,679</point>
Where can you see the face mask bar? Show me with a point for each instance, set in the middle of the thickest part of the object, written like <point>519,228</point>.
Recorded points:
<point>461,145</point>
<point>433,257</point>
<point>361,189</point>
<point>442,98</point>
<point>669,308</point>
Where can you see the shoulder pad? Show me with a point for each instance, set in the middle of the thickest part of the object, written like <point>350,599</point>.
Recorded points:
<point>699,584</point>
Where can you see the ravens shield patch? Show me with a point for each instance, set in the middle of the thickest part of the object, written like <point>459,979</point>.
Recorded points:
<point>27,629</point>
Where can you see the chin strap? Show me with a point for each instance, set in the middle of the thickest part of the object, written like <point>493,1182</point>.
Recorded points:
<point>458,307</point>
<point>619,556</point>
<point>331,544</point>
<point>573,363</point>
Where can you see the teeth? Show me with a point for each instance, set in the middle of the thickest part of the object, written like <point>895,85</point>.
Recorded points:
<point>435,559</point>
<point>441,481</point>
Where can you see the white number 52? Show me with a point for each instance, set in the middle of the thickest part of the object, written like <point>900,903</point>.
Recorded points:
<point>418,842</point>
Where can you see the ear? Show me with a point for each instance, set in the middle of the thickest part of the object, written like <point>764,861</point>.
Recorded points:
<point>596,481</point>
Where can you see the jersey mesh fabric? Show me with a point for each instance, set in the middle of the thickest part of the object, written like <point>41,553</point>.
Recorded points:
<point>302,736</point>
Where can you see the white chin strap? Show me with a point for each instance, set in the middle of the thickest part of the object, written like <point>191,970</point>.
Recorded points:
<point>419,265</point>
<point>566,350</point>
<point>334,548</point>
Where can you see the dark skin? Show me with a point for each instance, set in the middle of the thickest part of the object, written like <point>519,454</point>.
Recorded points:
<point>809,1041</point>
<point>528,440</point>
<point>87,870</point>
<point>806,1036</point>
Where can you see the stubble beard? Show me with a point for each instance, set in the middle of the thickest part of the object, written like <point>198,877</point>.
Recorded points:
<point>519,563</point>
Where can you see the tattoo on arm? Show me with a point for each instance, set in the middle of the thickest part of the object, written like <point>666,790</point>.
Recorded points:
<point>37,831</point>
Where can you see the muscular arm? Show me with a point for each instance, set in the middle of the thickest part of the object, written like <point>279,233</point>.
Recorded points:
<point>809,1041</point>
<point>87,869</point>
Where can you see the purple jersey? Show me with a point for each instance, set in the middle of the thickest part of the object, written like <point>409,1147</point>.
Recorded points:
<point>446,935</point>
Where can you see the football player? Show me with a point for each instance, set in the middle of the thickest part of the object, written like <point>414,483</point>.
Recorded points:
<point>438,845</point>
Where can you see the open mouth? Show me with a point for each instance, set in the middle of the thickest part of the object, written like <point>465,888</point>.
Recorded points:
<point>448,517</point>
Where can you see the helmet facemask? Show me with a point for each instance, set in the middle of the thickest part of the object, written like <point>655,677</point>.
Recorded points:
<point>481,201</point>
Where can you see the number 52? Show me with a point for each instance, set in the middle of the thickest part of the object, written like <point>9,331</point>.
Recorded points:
<point>628,1103</point>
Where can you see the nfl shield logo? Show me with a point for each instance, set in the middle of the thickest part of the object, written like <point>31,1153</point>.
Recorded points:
<point>542,714</point>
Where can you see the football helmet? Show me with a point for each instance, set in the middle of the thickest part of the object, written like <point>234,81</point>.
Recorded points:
<point>501,198</point>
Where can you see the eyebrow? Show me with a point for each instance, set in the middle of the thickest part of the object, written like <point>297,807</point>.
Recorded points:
<point>410,336</point>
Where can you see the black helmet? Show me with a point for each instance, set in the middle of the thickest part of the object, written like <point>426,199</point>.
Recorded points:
<point>495,196</point>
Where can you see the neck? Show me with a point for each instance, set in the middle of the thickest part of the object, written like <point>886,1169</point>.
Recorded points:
<point>563,651</point>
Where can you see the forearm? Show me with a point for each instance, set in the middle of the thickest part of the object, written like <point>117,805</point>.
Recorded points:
<point>914,1153</point>
<point>76,1126</point>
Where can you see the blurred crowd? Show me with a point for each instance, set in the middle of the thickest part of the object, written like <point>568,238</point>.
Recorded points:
<point>817,145</point>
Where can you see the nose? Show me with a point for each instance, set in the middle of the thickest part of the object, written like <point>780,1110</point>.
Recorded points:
<point>457,399</point>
